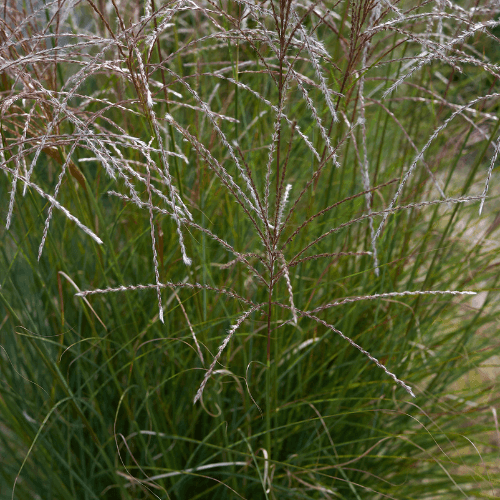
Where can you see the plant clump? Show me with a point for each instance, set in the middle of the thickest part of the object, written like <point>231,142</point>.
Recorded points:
<point>305,189</point>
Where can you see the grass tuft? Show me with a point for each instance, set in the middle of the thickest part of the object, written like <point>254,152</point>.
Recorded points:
<point>286,214</point>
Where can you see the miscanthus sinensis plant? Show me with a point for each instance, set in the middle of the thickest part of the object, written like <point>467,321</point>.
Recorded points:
<point>279,197</point>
